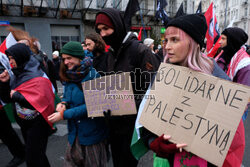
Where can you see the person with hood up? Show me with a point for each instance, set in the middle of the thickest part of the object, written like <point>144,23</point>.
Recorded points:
<point>45,63</point>
<point>184,38</point>
<point>126,54</point>
<point>86,136</point>
<point>32,93</point>
<point>7,133</point>
<point>234,59</point>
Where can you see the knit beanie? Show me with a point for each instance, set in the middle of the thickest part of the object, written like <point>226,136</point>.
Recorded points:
<point>193,24</point>
<point>148,41</point>
<point>74,49</point>
<point>103,19</point>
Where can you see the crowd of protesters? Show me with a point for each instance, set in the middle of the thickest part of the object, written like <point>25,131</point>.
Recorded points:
<point>28,82</point>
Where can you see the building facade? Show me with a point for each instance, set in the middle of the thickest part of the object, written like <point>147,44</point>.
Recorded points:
<point>55,22</point>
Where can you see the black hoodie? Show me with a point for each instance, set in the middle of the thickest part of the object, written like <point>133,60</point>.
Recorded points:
<point>236,37</point>
<point>27,66</point>
<point>129,55</point>
<point>116,38</point>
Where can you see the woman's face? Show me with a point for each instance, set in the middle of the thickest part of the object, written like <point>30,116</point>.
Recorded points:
<point>12,62</point>
<point>176,46</point>
<point>70,61</point>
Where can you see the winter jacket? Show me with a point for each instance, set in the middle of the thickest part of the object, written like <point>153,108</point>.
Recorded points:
<point>89,130</point>
<point>100,63</point>
<point>127,54</point>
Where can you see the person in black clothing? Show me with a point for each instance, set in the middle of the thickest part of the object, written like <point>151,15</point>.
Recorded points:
<point>126,54</point>
<point>96,45</point>
<point>56,61</point>
<point>7,133</point>
<point>46,64</point>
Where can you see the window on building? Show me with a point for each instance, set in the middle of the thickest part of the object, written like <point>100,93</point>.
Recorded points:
<point>245,26</point>
<point>100,3</point>
<point>193,6</point>
<point>52,3</point>
<point>117,4</point>
<point>143,5</point>
<point>59,41</point>
<point>185,6</point>
<point>245,11</point>
<point>16,2</point>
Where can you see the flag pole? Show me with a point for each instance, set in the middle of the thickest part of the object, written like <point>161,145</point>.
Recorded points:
<point>225,22</point>
<point>145,34</point>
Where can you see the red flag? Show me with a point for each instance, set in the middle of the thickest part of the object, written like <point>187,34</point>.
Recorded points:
<point>214,49</point>
<point>39,93</point>
<point>8,42</point>
<point>236,151</point>
<point>107,47</point>
<point>139,35</point>
<point>212,25</point>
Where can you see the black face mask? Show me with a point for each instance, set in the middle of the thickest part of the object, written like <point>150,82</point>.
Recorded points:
<point>110,40</point>
<point>17,71</point>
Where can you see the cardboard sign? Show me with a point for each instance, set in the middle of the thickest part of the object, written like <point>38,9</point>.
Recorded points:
<point>112,92</point>
<point>197,109</point>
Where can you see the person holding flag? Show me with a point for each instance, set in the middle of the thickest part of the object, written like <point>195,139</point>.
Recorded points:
<point>34,100</point>
<point>184,38</point>
<point>7,133</point>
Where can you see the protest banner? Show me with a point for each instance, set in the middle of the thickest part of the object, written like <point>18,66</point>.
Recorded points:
<point>112,92</point>
<point>197,109</point>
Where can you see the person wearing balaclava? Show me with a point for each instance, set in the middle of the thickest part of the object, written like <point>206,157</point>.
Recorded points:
<point>234,59</point>
<point>7,133</point>
<point>32,93</point>
<point>126,55</point>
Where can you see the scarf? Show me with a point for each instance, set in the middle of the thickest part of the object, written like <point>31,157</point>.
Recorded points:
<point>240,60</point>
<point>78,73</point>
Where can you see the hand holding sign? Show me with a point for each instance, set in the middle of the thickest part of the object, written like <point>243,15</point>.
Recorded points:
<point>163,148</point>
<point>113,92</point>
<point>195,108</point>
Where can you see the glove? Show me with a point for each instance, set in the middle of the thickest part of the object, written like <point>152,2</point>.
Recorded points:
<point>163,148</point>
<point>107,114</point>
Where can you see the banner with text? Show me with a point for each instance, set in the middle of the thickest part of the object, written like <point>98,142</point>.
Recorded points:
<point>112,92</point>
<point>197,109</point>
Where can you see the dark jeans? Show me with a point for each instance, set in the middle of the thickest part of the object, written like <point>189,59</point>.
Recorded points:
<point>9,136</point>
<point>35,133</point>
<point>121,131</point>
